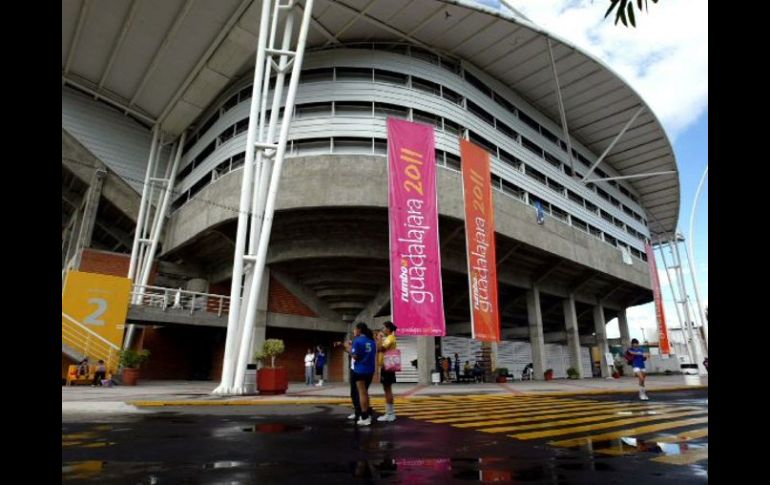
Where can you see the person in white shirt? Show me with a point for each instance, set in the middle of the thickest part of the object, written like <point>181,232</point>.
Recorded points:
<point>309,364</point>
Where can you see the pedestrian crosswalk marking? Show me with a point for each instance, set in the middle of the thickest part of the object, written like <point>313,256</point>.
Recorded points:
<point>541,414</point>
<point>592,427</point>
<point>659,411</point>
<point>584,440</point>
<point>464,410</point>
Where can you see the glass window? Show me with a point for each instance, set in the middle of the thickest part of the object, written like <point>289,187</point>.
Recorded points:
<point>507,130</point>
<point>552,160</point>
<point>385,109</point>
<point>480,112</point>
<point>452,127</point>
<point>505,103</point>
<point>513,189</point>
<point>353,108</point>
<point>390,77</point>
<point>477,83</point>
<point>534,174</point>
<point>427,118</point>
<point>311,110</point>
<point>489,146</point>
<point>426,86</point>
<point>354,74</point>
<point>352,145</point>
<point>453,161</point>
<point>316,75</point>
<point>510,159</point>
<point>380,146</point>
<point>531,146</point>
<point>529,121</point>
<point>312,145</point>
<point>451,95</point>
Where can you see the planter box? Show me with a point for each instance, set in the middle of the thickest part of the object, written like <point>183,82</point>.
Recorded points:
<point>130,377</point>
<point>272,380</point>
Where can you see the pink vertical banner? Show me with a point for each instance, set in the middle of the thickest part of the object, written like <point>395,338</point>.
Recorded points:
<point>415,260</point>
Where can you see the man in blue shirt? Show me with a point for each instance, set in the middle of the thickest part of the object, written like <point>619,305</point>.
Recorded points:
<point>363,349</point>
<point>637,356</point>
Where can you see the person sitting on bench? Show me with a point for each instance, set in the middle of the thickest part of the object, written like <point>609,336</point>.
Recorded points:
<point>83,367</point>
<point>528,372</point>
<point>100,374</point>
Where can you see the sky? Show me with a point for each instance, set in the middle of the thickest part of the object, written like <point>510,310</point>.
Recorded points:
<point>665,58</point>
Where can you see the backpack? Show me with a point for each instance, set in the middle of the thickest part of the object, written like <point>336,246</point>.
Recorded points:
<point>629,357</point>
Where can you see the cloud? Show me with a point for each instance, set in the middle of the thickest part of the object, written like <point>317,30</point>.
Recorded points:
<point>665,58</point>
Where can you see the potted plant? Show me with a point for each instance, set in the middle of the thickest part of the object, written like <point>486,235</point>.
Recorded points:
<point>572,373</point>
<point>130,360</point>
<point>501,374</point>
<point>549,375</point>
<point>271,380</point>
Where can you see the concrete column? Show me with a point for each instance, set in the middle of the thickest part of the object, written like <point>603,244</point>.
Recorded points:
<point>601,338</point>
<point>426,358</point>
<point>494,356</point>
<point>260,323</point>
<point>91,205</point>
<point>346,356</point>
<point>625,335</point>
<point>535,317</point>
<point>573,336</point>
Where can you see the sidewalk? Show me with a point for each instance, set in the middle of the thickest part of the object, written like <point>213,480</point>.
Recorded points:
<point>198,393</point>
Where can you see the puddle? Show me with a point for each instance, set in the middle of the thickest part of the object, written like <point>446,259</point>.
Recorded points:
<point>658,446</point>
<point>225,464</point>
<point>274,428</point>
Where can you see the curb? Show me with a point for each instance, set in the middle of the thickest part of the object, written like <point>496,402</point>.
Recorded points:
<point>381,400</point>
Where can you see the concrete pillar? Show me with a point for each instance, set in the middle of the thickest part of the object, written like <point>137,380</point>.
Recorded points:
<point>346,356</point>
<point>625,335</point>
<point>535,317</point>
<point>91,205</point>
<point>494,356</point>
<point>426,358</point>
<point>260,323</point>
<point>601,339</point>
<point>573,336</point>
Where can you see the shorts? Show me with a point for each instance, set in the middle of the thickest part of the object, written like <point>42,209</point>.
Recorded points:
<point>319,371</point>
<point>367,378</point>
<point>639,369</point>
<point>387,377</point>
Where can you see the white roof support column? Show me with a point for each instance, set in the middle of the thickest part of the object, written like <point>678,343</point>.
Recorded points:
<point>635,176</point>
<point>562,114</point>
<point>612,144</point>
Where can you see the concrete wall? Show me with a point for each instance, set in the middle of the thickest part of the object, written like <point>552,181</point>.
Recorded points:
<point>361,181</point>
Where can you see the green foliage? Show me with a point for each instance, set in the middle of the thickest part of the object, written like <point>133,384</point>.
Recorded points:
<point>625,10</point>
<point>132,359</point>
<point>272,348</point>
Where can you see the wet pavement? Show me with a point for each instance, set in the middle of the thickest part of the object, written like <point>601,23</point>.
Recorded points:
<point>451,439</point>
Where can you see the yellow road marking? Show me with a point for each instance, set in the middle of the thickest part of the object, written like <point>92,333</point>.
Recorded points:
<point>454,411</point>
<point>678,438</point>
<point>564,422</point>
<point>584,440</point>
<point>592,427</point>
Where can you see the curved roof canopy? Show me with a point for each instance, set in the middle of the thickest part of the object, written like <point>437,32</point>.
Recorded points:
<point>167,61</point>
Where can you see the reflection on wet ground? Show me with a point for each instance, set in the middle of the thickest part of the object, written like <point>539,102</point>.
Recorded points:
<point>316,443</point>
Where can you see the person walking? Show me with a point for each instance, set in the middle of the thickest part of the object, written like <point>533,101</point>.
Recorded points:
<point>320,363</point>
<point>363,349</point>
<point>636,357</point>
<point>387,378</point>
<point>309,360</point>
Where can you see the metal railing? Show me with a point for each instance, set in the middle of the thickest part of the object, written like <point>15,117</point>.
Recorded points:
<point>92,345</point>
<point>179,299</point>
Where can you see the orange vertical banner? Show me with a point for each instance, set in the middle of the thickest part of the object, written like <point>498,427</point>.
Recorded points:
<point>665,347</point>
<point>480,242</point>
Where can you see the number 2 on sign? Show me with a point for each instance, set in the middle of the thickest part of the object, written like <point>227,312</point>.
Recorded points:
<point>412,170</point>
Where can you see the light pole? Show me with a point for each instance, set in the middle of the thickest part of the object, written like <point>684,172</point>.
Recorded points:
<point>691,259</point>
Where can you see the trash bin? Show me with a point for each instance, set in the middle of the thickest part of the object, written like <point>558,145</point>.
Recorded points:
<point>691,377</point>
<point>250,379</point>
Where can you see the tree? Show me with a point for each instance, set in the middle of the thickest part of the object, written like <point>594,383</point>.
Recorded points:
<point>625,10</point>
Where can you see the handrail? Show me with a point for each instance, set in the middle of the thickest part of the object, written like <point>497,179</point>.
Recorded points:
<point>91,332</point>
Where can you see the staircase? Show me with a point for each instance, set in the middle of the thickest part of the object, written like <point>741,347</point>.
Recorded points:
<point>79,341</point>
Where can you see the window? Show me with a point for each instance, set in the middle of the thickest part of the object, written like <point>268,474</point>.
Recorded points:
<point>311,110</point>
<point>189,143</point>
<point>352,145</point>
<point>496,181</point>
<point>316,75</point>
<point>204,153</point>
<point>513,190</point>
<point>606,216</point>
<point>244,94</point>
<point>604,195</point>
<point>197,186</point>
<point>232,101</point>
<point>453,161</point>
<point>636,252</point>
<point>546,206</point>
<point>591,207</point>
<point>354,74</point>
<point>510,159</point>
<point>237,161</point>
<point>529,121</point>
<point>480,112</point>
<point>312,145</point>
<point>507,130</point>
<point>424,55</point>
<point>450,66</point>
<point>594,231</point>
<point>241,126</point>
<point>610,240</point>
<point>390,77</point>
<point>504,103</point>
<point>555,186</point>
<point>426,86</point>
<point>552,160</point>
<point>452,127</point>
<point>618,223</point>
<point>451,95</point>
<point>179,202</point>
<point>567,170</point>
<point>580,224</point>
<point>559,213</point>
<point>489,146</point>
<point>427,118</point>
<point>583,160</point>
<point>476,82</point>
<point>227,134</point>
<point>534,174</point>
<point>352,108</point>
<point>184,172</point>
<point>628,211</point>
<point>209,122</point>
<point>531,146</point>
<point>549,136</point>
<point>380,146</point>
<point>575,198</point>
<point>614,202</point>
<point>385,110</point>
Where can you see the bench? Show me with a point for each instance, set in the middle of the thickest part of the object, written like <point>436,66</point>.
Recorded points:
<point>74,379</point>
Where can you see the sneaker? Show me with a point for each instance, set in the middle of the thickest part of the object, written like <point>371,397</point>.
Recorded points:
<point>364,422</point>
<point>318,385</point>
<point>644,397</point>
<point>352,416</point>
<point>387,418</point>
